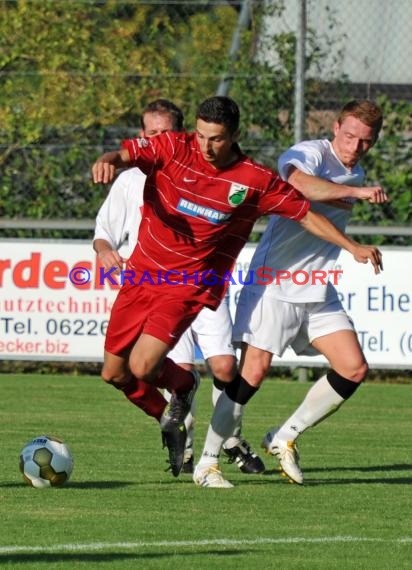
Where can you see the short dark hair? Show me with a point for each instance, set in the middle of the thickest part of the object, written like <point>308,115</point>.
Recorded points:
<point>365,111</point>
<point>220,110</point>
<point>164,107</point>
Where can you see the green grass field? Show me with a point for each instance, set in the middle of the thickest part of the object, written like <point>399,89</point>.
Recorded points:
<point>122,510</point>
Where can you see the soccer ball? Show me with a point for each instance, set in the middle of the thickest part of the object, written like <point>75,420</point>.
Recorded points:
<point>46,461</point>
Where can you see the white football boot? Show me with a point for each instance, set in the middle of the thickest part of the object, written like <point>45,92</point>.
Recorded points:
<point>211,477</point>
<point>287,454</point>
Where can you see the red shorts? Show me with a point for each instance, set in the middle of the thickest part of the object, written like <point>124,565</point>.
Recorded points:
<point>152,311</point>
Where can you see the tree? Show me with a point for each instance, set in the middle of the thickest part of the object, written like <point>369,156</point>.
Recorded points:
<point>75,74</point>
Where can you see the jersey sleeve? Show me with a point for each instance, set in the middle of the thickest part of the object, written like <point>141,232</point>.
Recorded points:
<point>150,154</point>
<point>110,221</point>
<point>305,156</point>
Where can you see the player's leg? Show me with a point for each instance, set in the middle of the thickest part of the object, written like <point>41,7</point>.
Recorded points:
<point>330,332</point>
<point>348,369</point>
<point>213,334</point>
<point>125,326</point>
<point>144,325</point>
<point>183,354</point>
<point>249,324</point>
<point>145,396</point>
<point>166,321</point>
<point>226,416</point>
<point>116,371</point>
<point>271,326</point>
<point>148,362</point>
<point>236,447</point>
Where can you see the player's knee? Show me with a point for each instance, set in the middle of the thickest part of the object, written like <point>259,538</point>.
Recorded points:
<point>142,370</point>
<point>254,364</point>
<point>361,372</point>
<point>117,378</point>
<point>223,368</point>
<point>357,372</point>
<point>256,376</point>
<point>255,371</point>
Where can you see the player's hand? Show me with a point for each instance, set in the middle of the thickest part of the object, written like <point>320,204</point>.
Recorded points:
<point>103,171</point>
<point>374,194</point>
<point>110,258</point>
<point>365,253</point>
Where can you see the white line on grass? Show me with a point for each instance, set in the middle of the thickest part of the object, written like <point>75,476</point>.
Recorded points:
<point>98,546</point>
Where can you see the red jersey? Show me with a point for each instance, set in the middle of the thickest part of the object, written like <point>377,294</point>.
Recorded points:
<point>197,218</point>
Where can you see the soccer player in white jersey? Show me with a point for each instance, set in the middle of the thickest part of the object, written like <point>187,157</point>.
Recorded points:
<point>274,312</point>
<point>116,231</point>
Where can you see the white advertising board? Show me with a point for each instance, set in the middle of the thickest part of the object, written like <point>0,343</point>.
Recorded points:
<point>46,312</point>
<point>55,306</point>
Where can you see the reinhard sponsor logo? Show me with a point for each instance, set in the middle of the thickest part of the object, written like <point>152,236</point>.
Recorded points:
<point>198,211</point>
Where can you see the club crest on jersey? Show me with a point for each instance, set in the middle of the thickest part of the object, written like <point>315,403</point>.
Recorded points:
<point>142,143</point>
<point>237,194</point>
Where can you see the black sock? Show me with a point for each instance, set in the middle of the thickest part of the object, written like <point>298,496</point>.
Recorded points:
<point>239,390</point>
<point>342,386</point>
<point>219,384</point>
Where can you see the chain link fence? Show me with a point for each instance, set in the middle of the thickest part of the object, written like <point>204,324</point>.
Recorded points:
<point>353,49</point>
<point>366,44</point>
<point>74,75</point>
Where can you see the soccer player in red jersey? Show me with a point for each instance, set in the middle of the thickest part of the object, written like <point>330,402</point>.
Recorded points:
<point>116,231</point>
<point>202,198</point>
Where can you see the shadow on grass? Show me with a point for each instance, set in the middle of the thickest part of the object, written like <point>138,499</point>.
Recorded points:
<point>390,480</point>
<point>369,469</point>
<point>260,480</point>
<point>73,485</point>
<point>79,485</point>
<point>30,558</point>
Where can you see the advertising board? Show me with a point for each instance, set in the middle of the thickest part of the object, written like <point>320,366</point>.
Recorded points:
<point>55,303</point>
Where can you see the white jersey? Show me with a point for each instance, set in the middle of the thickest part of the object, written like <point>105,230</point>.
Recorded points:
<point>119,217</point>
<point>118,222</point>
<point>286,247</point>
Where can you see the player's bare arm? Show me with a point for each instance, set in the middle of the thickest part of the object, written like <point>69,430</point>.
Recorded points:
<point>315,188</point>
<point>104,169</point>
<point>108,256</point>
<point>321,227</point>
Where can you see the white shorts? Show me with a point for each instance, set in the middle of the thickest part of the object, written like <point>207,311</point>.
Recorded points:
<point>271,324</point>
<point>211,331</point>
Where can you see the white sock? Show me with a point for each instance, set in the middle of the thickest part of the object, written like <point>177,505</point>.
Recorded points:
<point>320,402</point>
<point>215,395</point>
<point>225,418</point>
<point>190,426</point>
<point>235,436</point>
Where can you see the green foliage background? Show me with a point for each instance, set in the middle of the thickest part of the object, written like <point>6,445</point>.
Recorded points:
<point>74,76</point>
